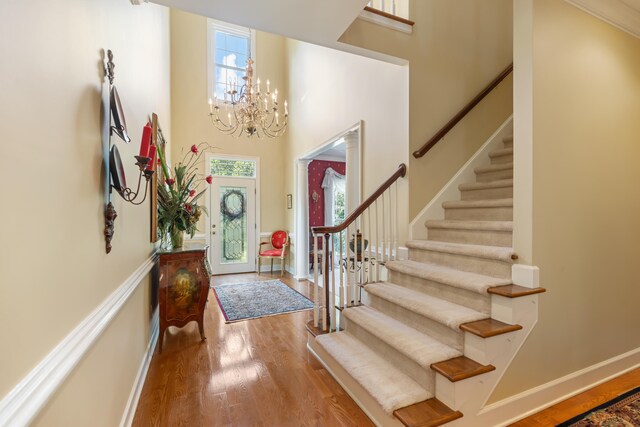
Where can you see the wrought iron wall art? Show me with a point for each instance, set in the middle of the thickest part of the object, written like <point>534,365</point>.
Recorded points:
<point>115,173</point>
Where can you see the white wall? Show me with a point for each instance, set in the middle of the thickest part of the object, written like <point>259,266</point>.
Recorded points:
<point>330,91</point>
<point>52,258</point>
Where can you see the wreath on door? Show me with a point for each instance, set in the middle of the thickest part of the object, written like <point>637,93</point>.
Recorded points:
<point>232,205</point>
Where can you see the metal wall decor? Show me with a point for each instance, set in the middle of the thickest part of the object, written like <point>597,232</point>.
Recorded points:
<point>115,173</point>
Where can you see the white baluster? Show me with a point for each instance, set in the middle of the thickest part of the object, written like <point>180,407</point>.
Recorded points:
<point>334,323</point>
<point>324,285</point>
<point>395,222</point>
<point>384,231</point>
<point>316,284</point>
<point>377,245</point>
<point>342,305</point>
<point>369,272</point>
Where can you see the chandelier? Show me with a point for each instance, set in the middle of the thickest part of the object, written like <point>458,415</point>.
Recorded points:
<point>247,110</point>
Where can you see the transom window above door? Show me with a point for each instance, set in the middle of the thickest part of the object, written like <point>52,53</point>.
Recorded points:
<point>233,168</point>
<point>229,48</point>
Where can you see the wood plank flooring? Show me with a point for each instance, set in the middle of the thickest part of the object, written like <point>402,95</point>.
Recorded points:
<point>583,402</point>
<point>251,373</point>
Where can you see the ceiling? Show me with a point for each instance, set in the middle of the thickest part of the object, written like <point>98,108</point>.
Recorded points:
<point>624,14</point>
<point>315,21</point>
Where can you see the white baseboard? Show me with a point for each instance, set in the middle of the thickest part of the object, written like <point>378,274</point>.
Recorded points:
<point>529,402</point>
<point>21,405</point>
<point>134,396</point>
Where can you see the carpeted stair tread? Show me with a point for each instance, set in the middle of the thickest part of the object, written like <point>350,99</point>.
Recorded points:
<point>473,204</point>
<point>444,312</point>
<point>493,168</point>
<point>430,413</point>
<point>447,276</point>
<point>501,183</point>
<point>415,345</point>
<point>389,386</point>
<point>454,224</point>
<point>515,291</point>
<point>480,251</point>
<point>460,368</point>
<point>501,152</point>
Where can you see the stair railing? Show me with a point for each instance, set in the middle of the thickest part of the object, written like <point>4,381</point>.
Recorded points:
<point>462,113</point>
<point>358,261</point>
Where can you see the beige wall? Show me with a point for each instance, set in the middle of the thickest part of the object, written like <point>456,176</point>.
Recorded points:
<point>586,80</point>
<point>330,91</point>
<point>52,258</point>
<point>190,122</point>
<point>456,49</point>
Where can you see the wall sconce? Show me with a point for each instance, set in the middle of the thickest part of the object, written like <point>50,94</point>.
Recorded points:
<point>315,196</point>
<point>145,160</point>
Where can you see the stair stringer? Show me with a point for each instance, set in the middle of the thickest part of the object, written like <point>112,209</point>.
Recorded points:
<point>466,174</point>
<point>470,396</point>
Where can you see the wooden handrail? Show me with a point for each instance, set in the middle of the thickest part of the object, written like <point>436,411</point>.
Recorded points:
<point>401,172</point>
<point>461,114</point>
<point>389,15</point>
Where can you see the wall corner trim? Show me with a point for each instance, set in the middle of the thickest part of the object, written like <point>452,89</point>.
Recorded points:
<point>21,405</point>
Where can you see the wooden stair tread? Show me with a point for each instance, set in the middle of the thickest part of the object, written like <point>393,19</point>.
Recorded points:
<point>514,291</point>
<point>489,328</point>
<point>389,15</point>
<point>428,413</point>
<point>461,368</point>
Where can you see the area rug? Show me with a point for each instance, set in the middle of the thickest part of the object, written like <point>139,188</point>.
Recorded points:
<point>243,301</point>
<point>623,411</point>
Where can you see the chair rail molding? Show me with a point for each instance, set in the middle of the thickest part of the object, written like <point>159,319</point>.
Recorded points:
<point>623,14</point>
<point>22,404</point>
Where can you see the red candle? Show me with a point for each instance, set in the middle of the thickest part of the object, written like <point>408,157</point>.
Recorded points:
<point>152,153</point>
<point>146,141</point>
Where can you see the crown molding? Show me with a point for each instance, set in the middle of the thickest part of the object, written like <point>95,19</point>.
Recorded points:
<point>623,14</point>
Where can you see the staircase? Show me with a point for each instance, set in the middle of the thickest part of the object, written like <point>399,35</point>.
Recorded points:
<point>433,324</point>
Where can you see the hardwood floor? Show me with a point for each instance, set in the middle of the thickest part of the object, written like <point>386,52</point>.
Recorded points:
<point>582,402</point>
<point>251,373</point>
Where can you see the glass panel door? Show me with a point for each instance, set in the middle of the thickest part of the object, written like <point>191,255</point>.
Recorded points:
<point>233,229</point>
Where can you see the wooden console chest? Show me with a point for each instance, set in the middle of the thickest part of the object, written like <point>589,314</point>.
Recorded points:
<point>184,286</point>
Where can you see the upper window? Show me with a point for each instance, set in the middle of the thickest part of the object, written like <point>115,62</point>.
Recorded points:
<point>229,48</point>
<point>232,167</point>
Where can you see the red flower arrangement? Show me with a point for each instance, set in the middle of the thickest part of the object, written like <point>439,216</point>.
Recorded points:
<point>178,209</point>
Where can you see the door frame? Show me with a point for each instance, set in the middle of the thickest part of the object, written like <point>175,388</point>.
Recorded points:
<point>207,162</point>
<point>301,181</point>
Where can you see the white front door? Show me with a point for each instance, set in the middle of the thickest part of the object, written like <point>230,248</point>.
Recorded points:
<point>233,225</point>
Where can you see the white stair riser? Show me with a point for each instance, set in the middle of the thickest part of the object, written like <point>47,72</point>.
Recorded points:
<point>473,300</point>
<point>488,267</point>
<point>499,160</point>
<point>479,214</point>
<point>436,330</point>
<point>424,377</point>
<point>472,237</point>
<point>508,143</point>
<point>494,175</point>
<point>487,193</point>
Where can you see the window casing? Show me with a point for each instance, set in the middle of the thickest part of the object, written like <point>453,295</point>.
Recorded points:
<point>229,48</point>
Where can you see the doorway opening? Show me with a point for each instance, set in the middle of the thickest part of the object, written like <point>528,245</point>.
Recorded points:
<point>328,188</point>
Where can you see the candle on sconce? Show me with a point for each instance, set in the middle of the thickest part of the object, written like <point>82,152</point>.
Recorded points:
<point>275,98</point>
<point>152,153</point>
<point>258,84</point>
<point>286,110</point>
<point>277,121</point>
<point>211,106</point>
<point>146,141</point>
<point>267,87</point>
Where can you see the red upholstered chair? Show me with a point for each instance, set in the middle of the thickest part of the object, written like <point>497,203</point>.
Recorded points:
<point>279,242</point>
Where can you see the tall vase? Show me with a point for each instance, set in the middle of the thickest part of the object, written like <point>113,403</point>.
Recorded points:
<point>177,237</point>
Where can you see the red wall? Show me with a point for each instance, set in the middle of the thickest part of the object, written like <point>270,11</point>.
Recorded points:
<point>316,175</point>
